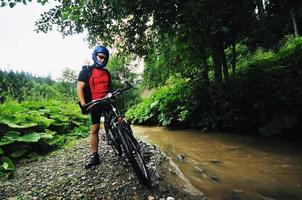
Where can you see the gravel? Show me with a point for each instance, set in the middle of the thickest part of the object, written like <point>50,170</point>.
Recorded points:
<point>61,175</point>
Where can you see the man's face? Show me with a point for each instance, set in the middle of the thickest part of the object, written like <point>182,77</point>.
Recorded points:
<point>101,57</point>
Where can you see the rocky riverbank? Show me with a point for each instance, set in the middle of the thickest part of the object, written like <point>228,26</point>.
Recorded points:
<point>61,175</point>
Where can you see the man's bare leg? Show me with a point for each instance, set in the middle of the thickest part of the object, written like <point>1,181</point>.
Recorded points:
<point>94,143</point>
<point>94,137</point>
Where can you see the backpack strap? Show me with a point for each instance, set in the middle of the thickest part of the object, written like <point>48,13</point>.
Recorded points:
<point>85,76</point>
<point>88,71</point>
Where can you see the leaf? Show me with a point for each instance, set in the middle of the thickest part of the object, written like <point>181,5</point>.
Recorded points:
<point>1,152</point>
<point>5,141</point>
<point>77,122</point>
<point>18,153</point>
<point>60,118</point>
<point>32,137</point>
<point>11,4</point>
<point>7,164</point>
<point>33,156</point>
<point>155,103</point>
<point>64,16</point>
<point>24,125</point>
<point>166,121</point>
<point>46,135</point>
<point>8,123</point>
<point>59,124</point>
<point>12,135</point>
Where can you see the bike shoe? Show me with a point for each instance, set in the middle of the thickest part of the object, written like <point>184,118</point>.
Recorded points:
<point>93,161</point>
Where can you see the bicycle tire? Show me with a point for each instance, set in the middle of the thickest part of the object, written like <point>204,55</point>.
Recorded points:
<point>114,143</point>
<point>135,158</point>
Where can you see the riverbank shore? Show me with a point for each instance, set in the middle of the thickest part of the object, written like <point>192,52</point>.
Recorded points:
<point>61,175</point>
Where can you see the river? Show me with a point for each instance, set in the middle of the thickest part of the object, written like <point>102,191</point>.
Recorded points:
<point>230,166</point>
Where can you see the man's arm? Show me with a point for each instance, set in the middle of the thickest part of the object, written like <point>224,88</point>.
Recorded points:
<point>80,92</point>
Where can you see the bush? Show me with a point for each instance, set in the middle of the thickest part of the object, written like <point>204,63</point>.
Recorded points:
<point>29,127</point>
<point>167,106</point>
<point>265,97</point>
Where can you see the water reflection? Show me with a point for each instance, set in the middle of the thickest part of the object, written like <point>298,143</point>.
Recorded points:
<point>232,166</point>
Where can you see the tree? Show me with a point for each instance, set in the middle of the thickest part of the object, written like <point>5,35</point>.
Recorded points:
<point>68,76</point>
<point>207,26</point>
<point>281,17</point>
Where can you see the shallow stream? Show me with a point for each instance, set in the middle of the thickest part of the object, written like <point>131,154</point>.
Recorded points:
<point>230,166</point>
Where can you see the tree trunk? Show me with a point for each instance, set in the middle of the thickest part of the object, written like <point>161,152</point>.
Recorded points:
<point>259,4</point>
<point>217,68</point>
<point>234,60</point>
<point>295,25</point>
<point>217,55</point>
<point>224,63</point>
<point>202,40</point>
<point>205,73</point>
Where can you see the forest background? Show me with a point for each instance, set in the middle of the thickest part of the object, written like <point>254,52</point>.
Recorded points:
<point>213,65</point>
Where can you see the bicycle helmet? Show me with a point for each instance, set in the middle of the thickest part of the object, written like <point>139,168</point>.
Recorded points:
<point>103,50</point>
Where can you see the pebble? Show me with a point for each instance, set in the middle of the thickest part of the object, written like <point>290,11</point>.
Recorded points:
<point>214,178</point>
<point>151,198</point>
<point>180,157</point>
<point>215,161</point>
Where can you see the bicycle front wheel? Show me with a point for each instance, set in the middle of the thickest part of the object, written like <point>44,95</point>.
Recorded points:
<point>135,157</point>
<point>113,142</point>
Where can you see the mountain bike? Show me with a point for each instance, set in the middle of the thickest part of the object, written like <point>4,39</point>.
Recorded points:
<point>119,135</point>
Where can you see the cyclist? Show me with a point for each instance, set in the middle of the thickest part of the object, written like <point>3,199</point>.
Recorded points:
<point>93,83</point>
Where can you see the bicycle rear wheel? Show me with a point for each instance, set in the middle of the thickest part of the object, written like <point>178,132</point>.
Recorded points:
<point>135,157</point>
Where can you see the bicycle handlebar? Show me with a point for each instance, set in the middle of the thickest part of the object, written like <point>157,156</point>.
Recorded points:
<point>113,94</point>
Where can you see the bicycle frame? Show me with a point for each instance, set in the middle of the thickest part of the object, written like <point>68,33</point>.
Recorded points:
<point>119,133</point>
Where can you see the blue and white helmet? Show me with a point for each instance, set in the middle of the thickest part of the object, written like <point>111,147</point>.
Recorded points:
<point>103,50</point>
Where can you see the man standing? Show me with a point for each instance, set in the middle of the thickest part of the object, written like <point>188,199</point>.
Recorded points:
<point>94,83</point>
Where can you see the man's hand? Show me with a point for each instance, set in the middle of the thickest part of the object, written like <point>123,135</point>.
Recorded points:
<point>86,109</point>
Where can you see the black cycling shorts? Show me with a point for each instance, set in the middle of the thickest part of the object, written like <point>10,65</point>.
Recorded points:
<point>96,113</point>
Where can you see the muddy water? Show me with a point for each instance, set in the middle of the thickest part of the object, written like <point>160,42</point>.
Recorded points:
<point>230,166</point>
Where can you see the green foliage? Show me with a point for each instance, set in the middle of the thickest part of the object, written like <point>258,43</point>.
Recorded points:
<point>30,137</point>
<point>18,153</point>
<point>119,68</point>
<point>266,93</point>
<point>33,127</point>
<point>167,106</point>
<point>67,85</point>
<point>265,96</point>
<point>6,164</point>
<point>23,86</point>
<point>289,46</point>
<point>167,57</point>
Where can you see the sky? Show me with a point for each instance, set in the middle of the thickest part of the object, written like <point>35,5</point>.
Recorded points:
<point>22,49</point>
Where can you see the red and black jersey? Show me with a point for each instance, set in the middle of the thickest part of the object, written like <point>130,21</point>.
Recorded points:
<point>97,82</point>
